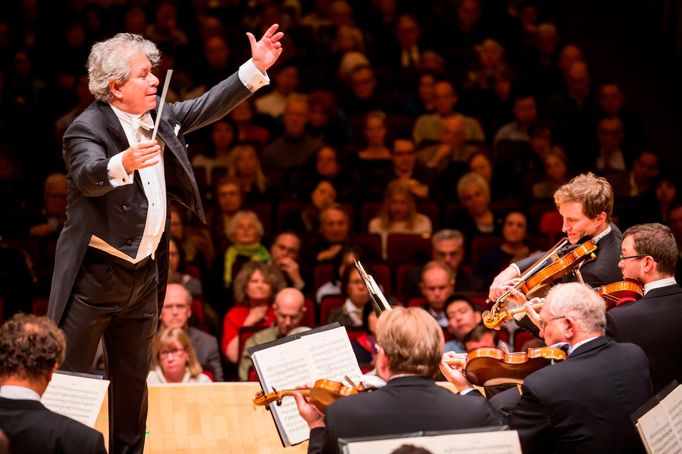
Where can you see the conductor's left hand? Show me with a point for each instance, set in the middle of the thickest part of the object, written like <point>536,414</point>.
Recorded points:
<point>266,51</point>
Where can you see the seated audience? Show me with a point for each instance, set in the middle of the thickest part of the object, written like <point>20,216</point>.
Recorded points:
<point>342,260</point>
<point>217,155</point>
<point>285,255</point>
<point>513,249</point>
<point>323,195</point>
<point>176,271</point>
<point>174,359</point>
<point>176,313</point>
<point>480,337</point>
<point>289,308</point>
<point>254,290</point>
<point>229,201</point>
<point>477,218</point>
<point>555,175</point>
<point>398,214</point>
<point>245,231</point>
<point>357,297</point>
<point>245,167</point>
<point>364,345</point>
<point>31,350</point>
<point>437,284</point>
<point>462,318</point>
<point>409,345</point>
<point>334,232</point>
<point>448,248</point>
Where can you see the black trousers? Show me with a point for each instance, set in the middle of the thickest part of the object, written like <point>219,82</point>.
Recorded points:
<point>117,301</point>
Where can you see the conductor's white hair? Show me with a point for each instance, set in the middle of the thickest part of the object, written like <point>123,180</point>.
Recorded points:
<point>579,303</point>
<point>108,61</point>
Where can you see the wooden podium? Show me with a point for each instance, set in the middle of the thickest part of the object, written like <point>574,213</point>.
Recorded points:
<point>212,418</point>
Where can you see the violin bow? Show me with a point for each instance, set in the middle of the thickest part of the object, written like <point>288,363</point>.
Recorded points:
<point>376,295</point>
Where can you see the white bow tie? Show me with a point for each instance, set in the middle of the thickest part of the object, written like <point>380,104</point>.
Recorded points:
<point>144,122</point>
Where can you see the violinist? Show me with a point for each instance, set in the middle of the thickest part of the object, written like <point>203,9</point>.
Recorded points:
<point>410,345</point>
<point>582,404</point>
<point>649,254</point>
<point>585,204</point>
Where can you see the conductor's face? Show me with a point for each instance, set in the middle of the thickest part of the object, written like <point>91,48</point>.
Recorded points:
<point>138,94</point>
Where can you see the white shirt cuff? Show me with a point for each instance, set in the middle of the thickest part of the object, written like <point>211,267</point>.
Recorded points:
<point>117,173</point>
<point>252,77</point>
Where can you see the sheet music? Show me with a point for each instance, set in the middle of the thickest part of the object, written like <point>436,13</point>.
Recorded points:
<point>660,427</point>
<point>77,397</point>
<point>323,355</point>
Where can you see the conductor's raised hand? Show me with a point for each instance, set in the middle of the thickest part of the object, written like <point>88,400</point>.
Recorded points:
<point>141,155</point>
<point>266,51</point>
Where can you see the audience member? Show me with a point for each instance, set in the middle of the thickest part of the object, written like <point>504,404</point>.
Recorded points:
<point>254,290</point>
<point>245,231</point>
<point>437,284</point>
<point>285,255</point>
<point>357,297</point>
<point>176,313</point>
<point>289,308</point>
<point>229,201</point>
<point>428,127</point>
<point>447,248</point>
<point>462,317</point>
<point>345,258</point>
<point>31,350</point>
<point>245,167</point>
<point>513,248</point>
<point>398,214</point>
<point>174,359</point>
<point>334,232</point>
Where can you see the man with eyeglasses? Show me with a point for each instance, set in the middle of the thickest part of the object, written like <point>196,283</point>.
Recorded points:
<point>176,312</point>
<point>649,254</point>
<point>582,404</point>
<point>289,308</point>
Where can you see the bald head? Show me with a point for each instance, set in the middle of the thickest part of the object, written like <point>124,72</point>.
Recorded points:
<point>177,307</point>
<point>289,307</point>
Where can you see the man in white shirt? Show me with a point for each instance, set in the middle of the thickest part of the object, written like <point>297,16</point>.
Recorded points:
<point>112,256</point>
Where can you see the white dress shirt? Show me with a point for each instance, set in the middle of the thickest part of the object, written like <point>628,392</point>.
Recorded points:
<point>137,128</point>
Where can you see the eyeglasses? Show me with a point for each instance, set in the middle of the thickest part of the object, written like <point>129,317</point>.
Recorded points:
<point>174,352</point>
<point>544,323</point>
<point>637,256</point>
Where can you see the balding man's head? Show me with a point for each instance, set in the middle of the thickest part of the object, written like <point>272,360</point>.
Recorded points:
<point>289,307</point>
<point>177,307</point>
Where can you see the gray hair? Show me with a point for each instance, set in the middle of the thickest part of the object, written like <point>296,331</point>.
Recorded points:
<point>108,61</point>
<point>579,303</point>
<point>446,234</point>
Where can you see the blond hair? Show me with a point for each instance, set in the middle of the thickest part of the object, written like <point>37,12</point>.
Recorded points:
<point>168,337</point>
<point>412,340</point>
<point>400,188</point>
<point>593,192</point>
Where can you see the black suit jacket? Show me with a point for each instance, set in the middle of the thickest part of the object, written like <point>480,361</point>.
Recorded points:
<point>583,405</point>
<point>117,215</point>
<point>603,270</point>
<point>404,405</point>
<point>655,324</point>
<point>206,348</point>
<point>32,428</point>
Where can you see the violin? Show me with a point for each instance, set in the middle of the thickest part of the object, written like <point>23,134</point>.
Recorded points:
<point>616,292</point>
<point>322,394</point>
<point>492,366</point>
<point>558,268</point>
<point>537,279</point>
